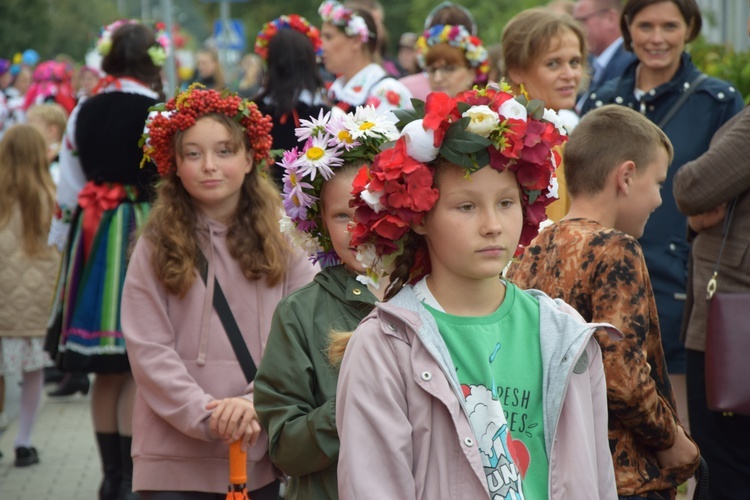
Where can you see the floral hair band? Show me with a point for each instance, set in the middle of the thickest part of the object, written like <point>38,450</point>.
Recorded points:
<point>352,23</point>
<point>182,111</point>
<point>157,52</point>
<point>331,143</point>
<point>476,128</point>
<point>292,21</point>
<point>459,37</point>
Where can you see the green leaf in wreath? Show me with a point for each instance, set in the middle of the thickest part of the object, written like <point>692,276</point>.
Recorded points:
<point>533,195</point>
<point>535,109</point>
<point>406,116</point>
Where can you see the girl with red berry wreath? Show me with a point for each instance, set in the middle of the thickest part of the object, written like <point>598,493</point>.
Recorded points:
<point>213,232</point>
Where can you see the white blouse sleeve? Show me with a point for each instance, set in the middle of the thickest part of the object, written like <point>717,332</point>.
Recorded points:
<point>389,94</point>
<point>72,180</point>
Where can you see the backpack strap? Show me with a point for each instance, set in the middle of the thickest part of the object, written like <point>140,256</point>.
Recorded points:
<point>227,320</point>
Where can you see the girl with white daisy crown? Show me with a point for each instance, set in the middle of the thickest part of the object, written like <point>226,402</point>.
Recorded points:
<point>349,38</point>
<point>296,404</point>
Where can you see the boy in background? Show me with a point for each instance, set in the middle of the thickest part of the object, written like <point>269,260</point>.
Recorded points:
<point>615,163</point>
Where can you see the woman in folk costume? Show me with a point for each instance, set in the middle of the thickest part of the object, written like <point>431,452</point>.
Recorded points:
<point>349,42</point>
<point>103,197</point>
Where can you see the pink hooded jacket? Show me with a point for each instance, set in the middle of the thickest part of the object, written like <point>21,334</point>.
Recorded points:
<point>405,432</point>
<point>182,359</point>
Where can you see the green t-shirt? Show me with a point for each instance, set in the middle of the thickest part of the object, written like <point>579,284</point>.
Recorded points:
<point>499,365</point>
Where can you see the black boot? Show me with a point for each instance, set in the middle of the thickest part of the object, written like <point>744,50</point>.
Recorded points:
<point>52,375</point>
<point>72,382</point>
<point>109,451</point>
<point>126,486</point>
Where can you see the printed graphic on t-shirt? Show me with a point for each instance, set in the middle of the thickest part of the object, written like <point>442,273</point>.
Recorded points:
<point>499,366</point>
<point>499,451</point>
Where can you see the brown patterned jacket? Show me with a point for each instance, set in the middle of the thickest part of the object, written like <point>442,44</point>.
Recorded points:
<point>601,272</point>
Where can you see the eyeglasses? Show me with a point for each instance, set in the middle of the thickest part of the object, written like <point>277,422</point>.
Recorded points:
<point>446,70</point>
<point>584,19</point>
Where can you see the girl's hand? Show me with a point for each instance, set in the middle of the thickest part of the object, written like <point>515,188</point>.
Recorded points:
<point>234,419</point>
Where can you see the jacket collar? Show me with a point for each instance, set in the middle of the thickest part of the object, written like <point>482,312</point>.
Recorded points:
<point>685,73</point>
<point>342,284</point>
<point>563,337</point>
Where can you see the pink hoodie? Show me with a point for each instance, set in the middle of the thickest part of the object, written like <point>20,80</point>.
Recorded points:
<point>182,359</point>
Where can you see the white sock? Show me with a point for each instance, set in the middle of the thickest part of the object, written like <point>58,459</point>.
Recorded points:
<point>31,396</point>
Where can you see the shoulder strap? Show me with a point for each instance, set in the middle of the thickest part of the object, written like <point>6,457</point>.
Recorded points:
<point>713,282</point>
<point>227,320</point>
<point>678,104</point>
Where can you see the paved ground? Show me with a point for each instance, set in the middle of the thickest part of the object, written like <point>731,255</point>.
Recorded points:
<point>69,465</point>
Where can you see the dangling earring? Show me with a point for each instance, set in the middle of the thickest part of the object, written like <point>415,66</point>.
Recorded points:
<point>522,89</point>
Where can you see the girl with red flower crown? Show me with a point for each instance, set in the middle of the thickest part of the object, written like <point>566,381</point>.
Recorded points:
<point>213,232</point>
<point>461,385</point>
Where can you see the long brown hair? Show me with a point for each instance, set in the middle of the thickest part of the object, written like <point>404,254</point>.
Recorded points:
<point>25,180</point>
<point>253,235</point>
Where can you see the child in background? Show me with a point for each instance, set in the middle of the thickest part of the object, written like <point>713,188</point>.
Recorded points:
<point>295,389</point>
<point>615,163</point>
<point>193,398</point>
<point>88,79</point>
<point>50,119</point>
<point>428,378</point>
<point>29,267</point>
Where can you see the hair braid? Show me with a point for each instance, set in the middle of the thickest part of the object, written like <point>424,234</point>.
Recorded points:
<point>404,263</point>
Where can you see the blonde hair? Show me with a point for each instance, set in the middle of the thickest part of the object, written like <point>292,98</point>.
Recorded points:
<point>219,81</point>
<point>605,138</point>
<point>25,180</point>
<point>253,235</point>
<point>528,36</point>
<point>51,114</point>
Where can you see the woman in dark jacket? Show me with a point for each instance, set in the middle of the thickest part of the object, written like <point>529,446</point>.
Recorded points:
<point>703,188</point>
<point>655,84</point>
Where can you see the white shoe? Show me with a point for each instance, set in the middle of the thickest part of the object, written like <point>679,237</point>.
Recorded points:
<point>3,421</point>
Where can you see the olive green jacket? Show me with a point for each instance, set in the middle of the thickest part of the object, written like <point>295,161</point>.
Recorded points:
<point>295,387</point>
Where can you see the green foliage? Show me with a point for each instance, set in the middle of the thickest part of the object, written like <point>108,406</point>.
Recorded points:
<point>722,61</point>
<point>52,27</point>
<point>24,24</point>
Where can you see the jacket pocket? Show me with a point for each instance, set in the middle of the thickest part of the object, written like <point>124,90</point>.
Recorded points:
<point>708,250</point>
